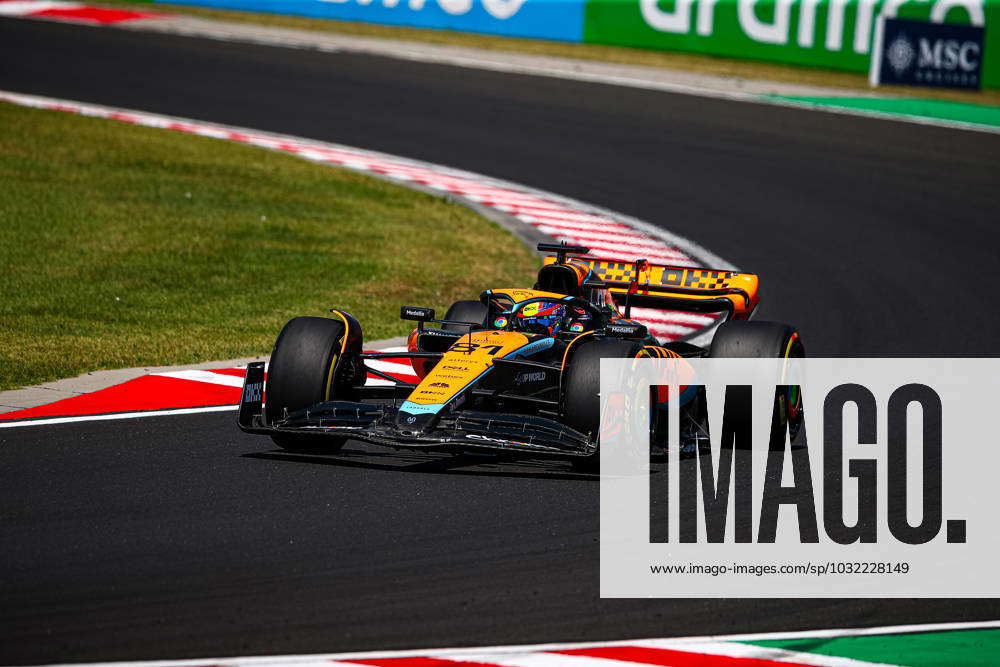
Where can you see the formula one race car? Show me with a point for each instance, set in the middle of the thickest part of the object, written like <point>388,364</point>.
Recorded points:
<point>515,372</point>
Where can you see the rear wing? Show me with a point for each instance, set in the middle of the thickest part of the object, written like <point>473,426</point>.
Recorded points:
<point>646,285</point>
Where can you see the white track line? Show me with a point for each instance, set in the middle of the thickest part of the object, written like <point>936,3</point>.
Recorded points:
<point>378,382</point>
<point>207,377</point>
<point>389,366</point>
<point>204,376</point>
<point>683,89</point>
<point>27,7</point>
<point>46,421</point>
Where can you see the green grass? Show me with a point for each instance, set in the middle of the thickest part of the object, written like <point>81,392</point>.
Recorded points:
<point>743,69</point>
<point>124,246</point>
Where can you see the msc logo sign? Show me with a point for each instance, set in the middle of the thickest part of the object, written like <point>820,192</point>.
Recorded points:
<point>913,53</point>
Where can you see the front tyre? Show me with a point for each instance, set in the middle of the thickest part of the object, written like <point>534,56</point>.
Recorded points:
<point>310,364</point>
<point>581,386</point>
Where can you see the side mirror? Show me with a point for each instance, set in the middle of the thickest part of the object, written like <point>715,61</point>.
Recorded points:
<point>416,313</point>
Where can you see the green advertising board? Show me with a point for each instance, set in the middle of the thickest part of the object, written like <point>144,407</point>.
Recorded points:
<point>835,34</point>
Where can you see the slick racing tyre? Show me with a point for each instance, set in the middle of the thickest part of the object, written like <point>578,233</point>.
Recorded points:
<point>765,340</point>
<point>473,312</point>
<point>307,367</point>
<point>581,385</point>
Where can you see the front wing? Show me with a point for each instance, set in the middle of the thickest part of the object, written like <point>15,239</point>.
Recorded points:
<point>376,423</point>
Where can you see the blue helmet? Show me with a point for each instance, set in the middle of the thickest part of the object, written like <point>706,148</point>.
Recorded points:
<point>542,317</point>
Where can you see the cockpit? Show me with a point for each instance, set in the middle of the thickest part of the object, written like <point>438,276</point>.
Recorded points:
<point>542,315</point>
<point>575,281</point>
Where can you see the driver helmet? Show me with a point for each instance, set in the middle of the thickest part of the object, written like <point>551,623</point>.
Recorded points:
<point>542,317</point>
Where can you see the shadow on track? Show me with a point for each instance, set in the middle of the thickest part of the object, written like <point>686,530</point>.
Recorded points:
<point>437,465</point>
<point>442,464</point>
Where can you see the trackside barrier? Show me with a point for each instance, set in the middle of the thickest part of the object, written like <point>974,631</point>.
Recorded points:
<point>833,34</point>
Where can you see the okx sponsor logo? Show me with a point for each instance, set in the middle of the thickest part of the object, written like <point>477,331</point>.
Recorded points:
<point>799,478</point>
<point>914,53</point>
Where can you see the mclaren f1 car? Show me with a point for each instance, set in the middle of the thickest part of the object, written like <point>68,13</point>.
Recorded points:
<point>515,372</point>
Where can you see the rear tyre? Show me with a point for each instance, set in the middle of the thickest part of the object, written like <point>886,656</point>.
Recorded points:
<point>765,340</point>
<point>306,368</point>
<point>581,385</point>
<point>756,340</point>
<point>473,312</point>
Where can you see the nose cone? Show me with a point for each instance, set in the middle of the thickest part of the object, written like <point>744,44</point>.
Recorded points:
<point>416,419</point>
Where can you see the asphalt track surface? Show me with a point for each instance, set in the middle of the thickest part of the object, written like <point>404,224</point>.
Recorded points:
<point>180,537</point>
